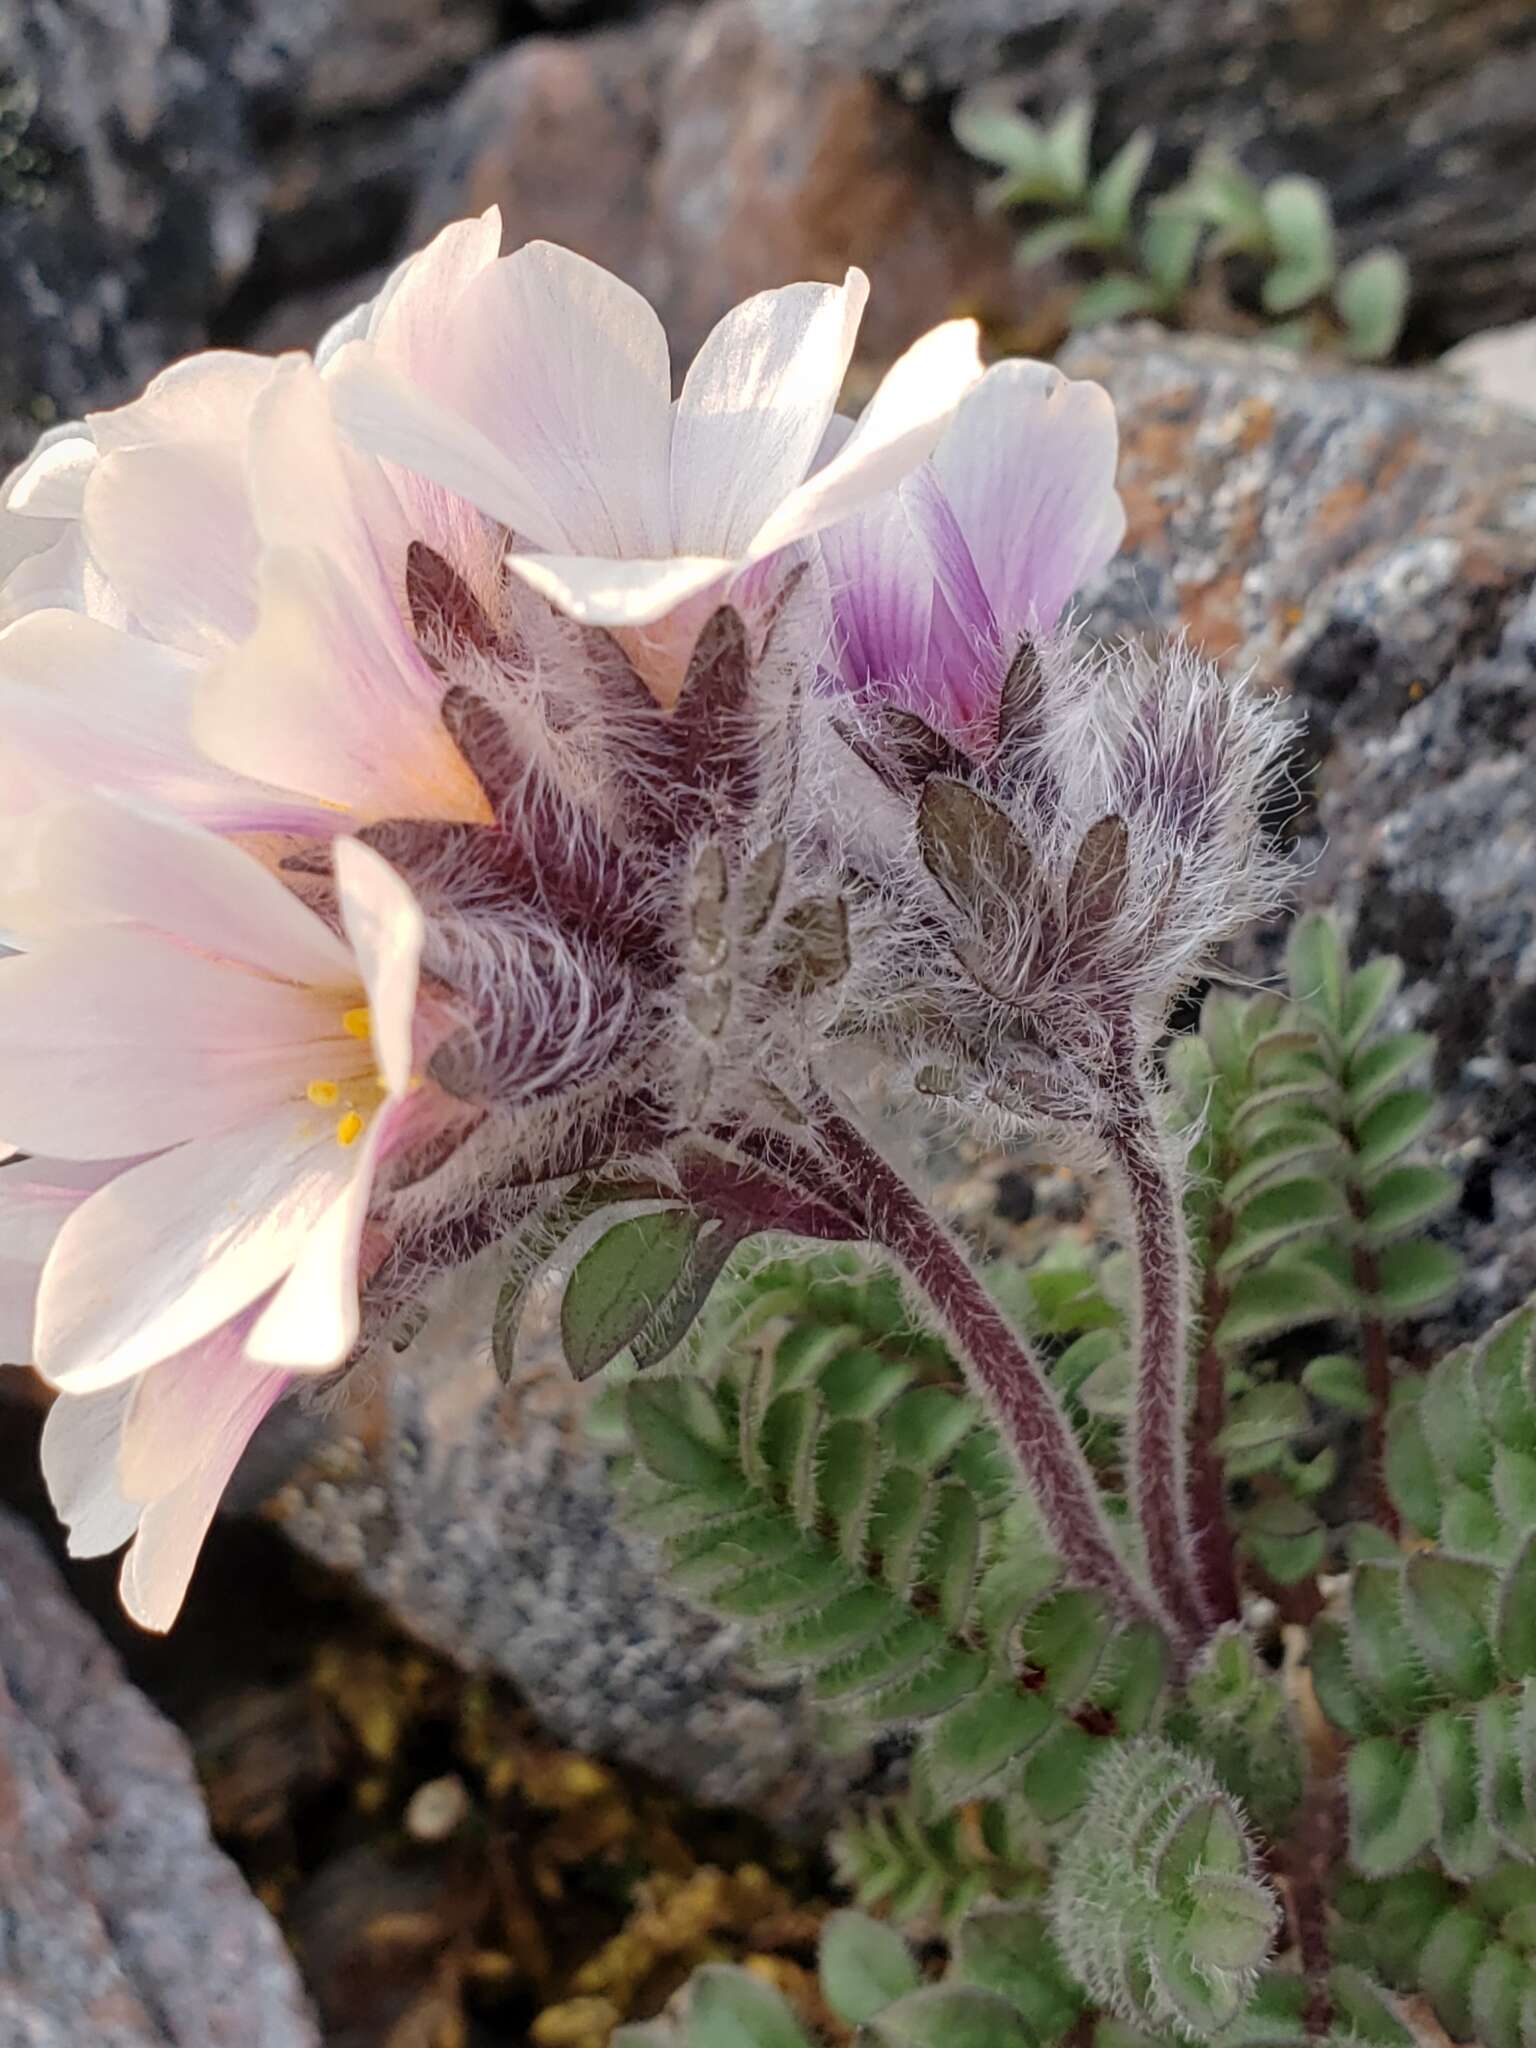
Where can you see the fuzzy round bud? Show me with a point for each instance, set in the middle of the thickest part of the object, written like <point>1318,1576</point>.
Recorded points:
<point>1157,1903</point>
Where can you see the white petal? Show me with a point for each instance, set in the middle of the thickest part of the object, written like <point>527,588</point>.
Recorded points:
<point>602,592</point>
<point>204,1231</point>
<point>312,1322</point>
<point>18,1308</point>
<point>310,488</point>
<point>565,368</point>
<point>82,1438</point>
<point>114,1042</point>
<point>384,922</point>
<point>190,1421</point>
<point>1029,466</point>
<point>896,431</point>
<point>171,529</point>
<point>50,484</point>
<point>754,407</point>
<point>381,412</point>
<point>410,319</point>
<point>56,574</point>
<point>330,696</point>
<point>105,863</point>
<point>205,398</point>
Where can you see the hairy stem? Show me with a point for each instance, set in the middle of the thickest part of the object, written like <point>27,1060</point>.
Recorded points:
<point>1215,1550</point>
<point>1140,1158</point>
<point>1004,1372</point>
<point>1378,1369</point>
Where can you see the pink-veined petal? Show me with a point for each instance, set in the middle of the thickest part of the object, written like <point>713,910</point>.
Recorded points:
<point>86,706</point>
<point>896,430</point>
<point>1028,465</point>
<point>754,407</point>
<point>106,863</point>
<point>82,1438</point>
<point>383,920</point>
<point>882,597</point>
<point>409,321</point>
<point>331,696</point>
<point>204,1230</point>
<point>115,1042</point>
<point>188,1424</point>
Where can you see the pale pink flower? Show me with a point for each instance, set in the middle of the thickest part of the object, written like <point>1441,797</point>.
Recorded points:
<point>180,1010</point>
<point>538,387</point>
<point>210,543</point>
<point>935,584</point>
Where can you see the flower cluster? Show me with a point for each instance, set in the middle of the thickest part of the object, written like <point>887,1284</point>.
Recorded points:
<point>425,797</point>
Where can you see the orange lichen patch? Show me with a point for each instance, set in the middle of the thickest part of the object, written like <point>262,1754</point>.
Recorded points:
<point>1340,509</point>
<point>1213,614</point>
<point>1146,516</point>
<point>1161,446</point>
<point>1258,424</point>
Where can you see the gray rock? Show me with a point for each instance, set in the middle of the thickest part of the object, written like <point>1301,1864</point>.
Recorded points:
<point>483,1520</point>
<point>121,1925</point>
<point>1366,542</point>
<point>1417,119</point>
<point>1500,364</point>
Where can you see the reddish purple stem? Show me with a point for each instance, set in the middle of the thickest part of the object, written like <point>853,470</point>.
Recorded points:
<point>1000,1366</point>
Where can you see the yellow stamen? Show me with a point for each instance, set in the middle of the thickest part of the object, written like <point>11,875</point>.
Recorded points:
<point>350,1129</point>
<point>357,1023</point>
<point>322,1093</point>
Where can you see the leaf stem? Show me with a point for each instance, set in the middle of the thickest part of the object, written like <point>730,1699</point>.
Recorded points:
<point>1140,1158</point>
<point>999,1364</point>
<point>1215,1549</point>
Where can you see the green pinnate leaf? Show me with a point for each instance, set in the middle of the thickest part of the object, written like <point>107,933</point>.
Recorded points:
<point>808,1578</point>
<point>1286,1538</point>
<point>950,2016</point>
<point>1390,1126</point>
<point>1515,1613</point>
<point>1499,1987</point>
<point>676,1433</point>
<point>968,1749</point>
<point>1382,1064</point>
<point>1114,191</point>
<point>1280,1296</point>
<point>1405,1197</point>
<point>1447,1963</point>
<point>1392,1810</point>
<point>1467,1847</point>
<point>923,1426</point>
<point>1371,296</point>
<point>998,134</point>
<point>1301,1207</point>
<point>1413,1479</point>
<point>1413,1276</point>
<point>951,1552</point>
<point>1067,144</point>
<point>896,1524</point>
<point>1339,1382</point>
<point>1448,1603</point>
<point>1367,992</point>
<point>1115,297</point>
<point>1259,1426</point>
<point>1300,225</point>
<point>1347,1703</point>
<point>950,1676</point>
<point>1065,1639</point>
<point>1058,238</point>
<point>1383,1654</point>
<point>728,2008</point>
<point>1317,968</point>
<point>847,1475</point>
<point>1170,243</point>
<point>829,1635</point>
<point>865,1966</point>
<point>1009,1950</point>
<point>1504,1377</point>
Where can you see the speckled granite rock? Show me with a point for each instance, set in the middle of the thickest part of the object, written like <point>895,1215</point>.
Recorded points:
<point>482,1519</point>
<point>1417,118</point>
<point>1367,543</point>
<point>121,1925</point>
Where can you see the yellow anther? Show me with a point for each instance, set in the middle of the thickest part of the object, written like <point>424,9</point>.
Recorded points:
<point>322,1093</point>
<point>357,1023</point>
<point>350,1129</point>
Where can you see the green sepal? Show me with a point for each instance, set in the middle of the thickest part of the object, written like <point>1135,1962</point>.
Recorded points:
<point>620,1283</point>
